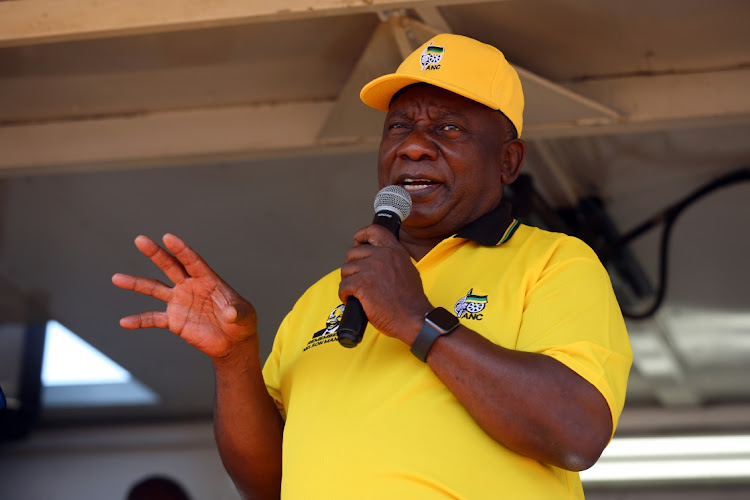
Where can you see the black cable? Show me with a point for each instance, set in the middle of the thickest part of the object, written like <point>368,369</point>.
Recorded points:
<point>668,217</point>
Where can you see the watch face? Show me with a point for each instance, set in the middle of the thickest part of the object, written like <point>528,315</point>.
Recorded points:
<point>443,319</point>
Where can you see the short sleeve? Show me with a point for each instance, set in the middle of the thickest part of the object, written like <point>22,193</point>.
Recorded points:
<point>572,315</point>
<point>272,366</point>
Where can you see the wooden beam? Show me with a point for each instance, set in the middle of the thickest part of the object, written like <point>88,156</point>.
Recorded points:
<point>653,102</point>
<point>206,134</point>
<point>392,41</point>
<point>349,118</point>
<point>29,22</point>
<point>653,420</point>
<point>152,139</point>
<point>432,17</point>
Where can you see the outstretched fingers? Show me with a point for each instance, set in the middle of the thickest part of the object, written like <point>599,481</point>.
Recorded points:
<point>145,286</point>
<point>149,319</point>
<point>189,259</point>
<point>163,259</point>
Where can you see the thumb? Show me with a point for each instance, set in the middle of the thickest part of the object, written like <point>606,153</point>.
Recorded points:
<point>375,235</point>
<point>240,312</point>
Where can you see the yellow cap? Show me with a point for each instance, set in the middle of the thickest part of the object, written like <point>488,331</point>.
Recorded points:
<point>460,64</point>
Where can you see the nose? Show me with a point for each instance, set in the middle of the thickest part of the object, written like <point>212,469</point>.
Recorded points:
<point>417,145</point>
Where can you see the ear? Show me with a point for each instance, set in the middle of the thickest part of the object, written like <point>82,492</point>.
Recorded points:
<point>512,154</point>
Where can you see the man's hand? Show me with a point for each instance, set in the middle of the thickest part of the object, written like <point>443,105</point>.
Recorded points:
<point>380,273</point>
<point>201,308</point>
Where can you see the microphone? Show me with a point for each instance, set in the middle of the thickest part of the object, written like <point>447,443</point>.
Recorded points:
<point>392,205</point>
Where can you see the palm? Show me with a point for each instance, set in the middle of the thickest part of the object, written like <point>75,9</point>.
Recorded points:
<point>201,308</point>
<point>196,313</point>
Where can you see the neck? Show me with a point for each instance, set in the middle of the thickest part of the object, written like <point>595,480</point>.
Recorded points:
<point>418,247</point>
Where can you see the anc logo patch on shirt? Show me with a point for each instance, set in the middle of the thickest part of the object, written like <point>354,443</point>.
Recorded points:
<point>327,334</point>
<point>431,57</point>
<point>470,306</point>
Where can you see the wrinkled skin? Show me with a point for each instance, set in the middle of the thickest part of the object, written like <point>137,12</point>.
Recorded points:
<point>201,308</point>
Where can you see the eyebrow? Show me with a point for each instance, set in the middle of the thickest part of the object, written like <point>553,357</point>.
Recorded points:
<point>439,111</point>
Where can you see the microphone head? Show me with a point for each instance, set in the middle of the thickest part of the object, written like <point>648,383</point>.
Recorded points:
<point>394,199</point>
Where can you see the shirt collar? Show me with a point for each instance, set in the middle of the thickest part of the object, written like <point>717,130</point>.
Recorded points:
<point>493,228</point>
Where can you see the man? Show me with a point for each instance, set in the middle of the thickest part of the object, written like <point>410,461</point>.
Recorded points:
<point>507,401</point>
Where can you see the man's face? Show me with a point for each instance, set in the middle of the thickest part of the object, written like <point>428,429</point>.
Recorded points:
<point>446,151</point>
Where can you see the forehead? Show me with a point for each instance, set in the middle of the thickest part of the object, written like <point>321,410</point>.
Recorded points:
<point>422,96</point>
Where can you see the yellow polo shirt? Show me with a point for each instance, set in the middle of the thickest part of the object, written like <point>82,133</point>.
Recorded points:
<point>374,422</point>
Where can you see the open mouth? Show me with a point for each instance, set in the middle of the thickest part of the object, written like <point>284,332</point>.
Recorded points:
<point>417,184</point>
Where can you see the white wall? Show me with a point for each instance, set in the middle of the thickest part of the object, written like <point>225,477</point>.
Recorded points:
<point>101,463</point>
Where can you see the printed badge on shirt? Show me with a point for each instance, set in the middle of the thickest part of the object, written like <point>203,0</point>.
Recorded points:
<point>470,306</point>
<point>327,334</point>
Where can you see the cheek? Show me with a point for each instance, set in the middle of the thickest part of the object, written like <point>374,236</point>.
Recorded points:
<point>477,184</point>
<point>382,180</point>
<point>384,165</point>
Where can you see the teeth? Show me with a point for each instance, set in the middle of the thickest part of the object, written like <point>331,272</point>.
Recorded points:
<point>416,184</point>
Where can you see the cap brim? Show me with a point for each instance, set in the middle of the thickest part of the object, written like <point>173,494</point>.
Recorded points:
<point>379,92</point>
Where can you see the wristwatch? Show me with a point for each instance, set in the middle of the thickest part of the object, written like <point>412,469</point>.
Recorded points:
<point>437,322</point>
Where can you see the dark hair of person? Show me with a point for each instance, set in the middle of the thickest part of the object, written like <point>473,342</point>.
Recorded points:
<point>157,488</point>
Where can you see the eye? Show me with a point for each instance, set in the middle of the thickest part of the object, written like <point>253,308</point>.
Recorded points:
<point>450,127</point>
<point>397,127</point>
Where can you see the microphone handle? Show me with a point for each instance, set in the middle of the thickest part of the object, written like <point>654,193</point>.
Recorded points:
<point>353,323</point>
<point>354,320</point>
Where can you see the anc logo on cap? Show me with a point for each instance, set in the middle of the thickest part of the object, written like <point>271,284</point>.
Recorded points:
<point>431,57</point>
<point>469,306</point>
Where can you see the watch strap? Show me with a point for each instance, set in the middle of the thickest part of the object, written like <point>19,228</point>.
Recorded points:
<point>428,335</point>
